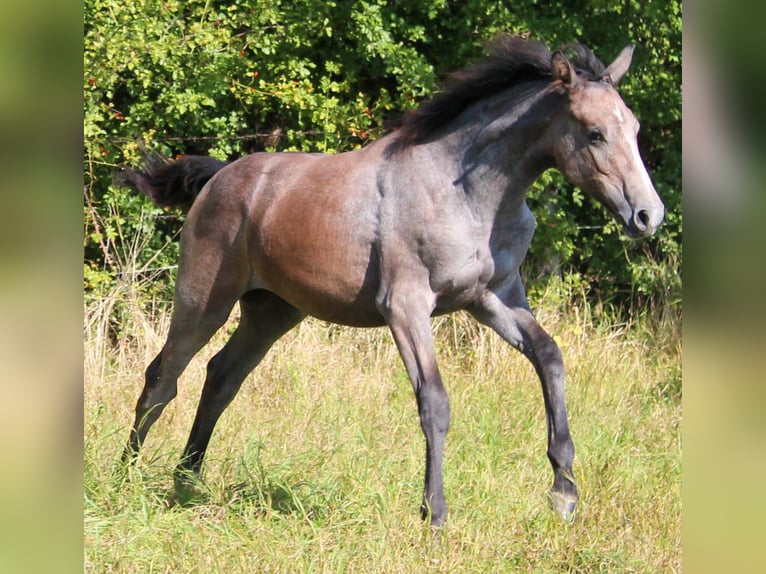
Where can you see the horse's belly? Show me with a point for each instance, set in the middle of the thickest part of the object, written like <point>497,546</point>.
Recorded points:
<point>335,303</point>
<point>333,280</point>
<point>314,246</point>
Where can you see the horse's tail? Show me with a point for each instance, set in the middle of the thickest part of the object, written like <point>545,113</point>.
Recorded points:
<point>171,183</point>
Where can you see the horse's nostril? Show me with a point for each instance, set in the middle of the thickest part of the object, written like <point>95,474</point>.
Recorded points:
<point>642,219</point>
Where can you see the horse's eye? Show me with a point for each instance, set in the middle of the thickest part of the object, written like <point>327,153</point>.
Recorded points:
<point>595,135</point>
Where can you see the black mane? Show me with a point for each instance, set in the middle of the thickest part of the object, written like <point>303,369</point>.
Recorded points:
<point>511,60</point>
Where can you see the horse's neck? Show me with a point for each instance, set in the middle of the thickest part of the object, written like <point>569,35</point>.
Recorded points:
<point>499,152</point>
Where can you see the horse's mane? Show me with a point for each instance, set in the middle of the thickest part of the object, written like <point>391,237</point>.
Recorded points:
<point>511,60</point>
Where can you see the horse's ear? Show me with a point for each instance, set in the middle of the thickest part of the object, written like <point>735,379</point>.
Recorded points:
<point>616,70</point>
<point>562,69</point>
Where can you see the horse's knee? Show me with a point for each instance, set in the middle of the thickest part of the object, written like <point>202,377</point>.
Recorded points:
<point>433,404</point>
<point>545,355</point>
<point>546,349</point>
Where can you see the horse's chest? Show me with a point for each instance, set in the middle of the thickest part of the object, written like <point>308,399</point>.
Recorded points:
<point>462,278</point>
<point>464,268</point>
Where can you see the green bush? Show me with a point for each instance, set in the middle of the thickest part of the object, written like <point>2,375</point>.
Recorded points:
<point>212,78</point>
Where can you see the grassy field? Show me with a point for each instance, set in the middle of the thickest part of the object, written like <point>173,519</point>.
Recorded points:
<point>317,466</point>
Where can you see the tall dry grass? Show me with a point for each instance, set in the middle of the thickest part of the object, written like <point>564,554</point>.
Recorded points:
<point>317,465</point>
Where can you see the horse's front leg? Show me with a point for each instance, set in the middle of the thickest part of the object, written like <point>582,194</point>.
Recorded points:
<point>508,314</point>
<point>409,320</point>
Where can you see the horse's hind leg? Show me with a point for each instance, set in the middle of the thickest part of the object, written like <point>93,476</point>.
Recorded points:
<point>201,305</point>
<point>190,329</point>
<point>265,317</point>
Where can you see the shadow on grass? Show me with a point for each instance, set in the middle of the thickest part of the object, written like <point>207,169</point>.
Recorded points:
<point>265,496</point>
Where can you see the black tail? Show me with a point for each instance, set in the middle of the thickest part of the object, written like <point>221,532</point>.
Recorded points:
<point>170,183</point>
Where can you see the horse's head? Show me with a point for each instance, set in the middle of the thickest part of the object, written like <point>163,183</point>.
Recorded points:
<point>595,145</point>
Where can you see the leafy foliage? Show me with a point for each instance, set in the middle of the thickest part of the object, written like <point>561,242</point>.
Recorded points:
<point>225,79</point>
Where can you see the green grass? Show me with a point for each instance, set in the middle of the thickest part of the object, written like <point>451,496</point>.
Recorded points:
<point>317,466</point>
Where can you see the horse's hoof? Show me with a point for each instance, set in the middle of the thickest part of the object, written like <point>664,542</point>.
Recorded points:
<point>437,523</point>
<point>564,505</point>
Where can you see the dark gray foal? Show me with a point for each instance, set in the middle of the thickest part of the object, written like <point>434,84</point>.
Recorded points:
<point>427,220</point>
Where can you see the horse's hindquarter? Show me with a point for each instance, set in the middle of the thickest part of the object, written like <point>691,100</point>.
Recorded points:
<point>313,224</point>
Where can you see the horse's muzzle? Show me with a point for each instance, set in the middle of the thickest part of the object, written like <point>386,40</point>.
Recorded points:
<point>644,221</point>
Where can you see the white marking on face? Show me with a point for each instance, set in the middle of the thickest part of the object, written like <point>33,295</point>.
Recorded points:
<point>645,179</point>
<point>618,114</point>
